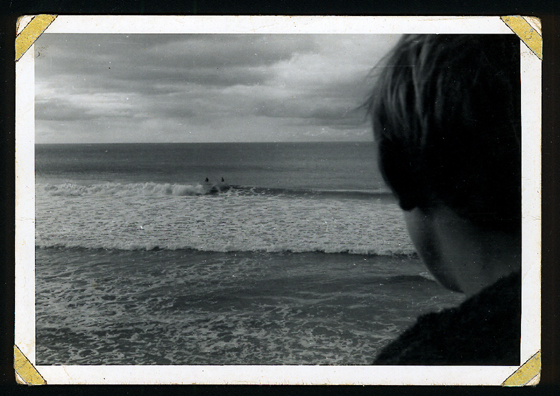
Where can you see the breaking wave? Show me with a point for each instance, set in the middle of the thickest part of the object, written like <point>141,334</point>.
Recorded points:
<point>195,189</point>
<point>152,216</point>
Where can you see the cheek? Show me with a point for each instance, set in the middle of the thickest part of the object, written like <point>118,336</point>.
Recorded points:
<point>422,232</point>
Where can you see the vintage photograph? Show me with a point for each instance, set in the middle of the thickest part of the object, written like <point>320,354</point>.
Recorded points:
<point>278,199</point>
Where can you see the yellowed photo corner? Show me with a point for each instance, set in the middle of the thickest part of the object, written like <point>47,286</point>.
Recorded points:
<point>26,373</point>
<point>24,349</point>
<point>31,32</point>
<point>528,30</point>
<point>527,374</point>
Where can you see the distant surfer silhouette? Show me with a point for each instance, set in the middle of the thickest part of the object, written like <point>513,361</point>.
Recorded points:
<point>214,188</point>
<point>223,186</point>
<point>207,186</point>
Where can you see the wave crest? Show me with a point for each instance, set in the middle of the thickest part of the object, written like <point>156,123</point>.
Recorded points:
<point>195,189</point>
<point>129,189</point>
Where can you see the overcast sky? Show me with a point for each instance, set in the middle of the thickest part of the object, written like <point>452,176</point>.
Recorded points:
<point>93,88</point>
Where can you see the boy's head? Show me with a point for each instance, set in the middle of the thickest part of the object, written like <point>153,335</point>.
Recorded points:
<point>446,115</point>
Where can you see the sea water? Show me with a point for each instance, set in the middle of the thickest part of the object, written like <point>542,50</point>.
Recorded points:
<point>305,259</point>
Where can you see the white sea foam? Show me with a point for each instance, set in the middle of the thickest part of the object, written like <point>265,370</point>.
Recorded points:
<point>174,216</point>
<point>120,190</point>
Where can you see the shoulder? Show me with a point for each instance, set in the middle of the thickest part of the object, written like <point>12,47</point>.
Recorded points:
<point>485,329</point>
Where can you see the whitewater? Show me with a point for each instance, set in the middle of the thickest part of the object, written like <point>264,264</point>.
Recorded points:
<point>174,216</point>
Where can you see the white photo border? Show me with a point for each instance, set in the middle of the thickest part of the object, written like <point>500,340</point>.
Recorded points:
<point>357,375</point>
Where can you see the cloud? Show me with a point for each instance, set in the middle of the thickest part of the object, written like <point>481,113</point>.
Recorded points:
<point>193,87</point>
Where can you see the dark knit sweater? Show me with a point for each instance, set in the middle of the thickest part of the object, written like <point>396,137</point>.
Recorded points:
<point>483,330</point>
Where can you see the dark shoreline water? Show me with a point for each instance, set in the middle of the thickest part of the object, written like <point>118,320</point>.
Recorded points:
<point>186,307</point>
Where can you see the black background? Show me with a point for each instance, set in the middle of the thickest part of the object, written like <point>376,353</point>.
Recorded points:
<point>547,10</point>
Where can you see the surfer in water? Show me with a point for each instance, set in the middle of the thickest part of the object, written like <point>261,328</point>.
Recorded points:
<point>214,188</point>
<point>207,186</point>
<point>223,186</point>
<point>446,114</point>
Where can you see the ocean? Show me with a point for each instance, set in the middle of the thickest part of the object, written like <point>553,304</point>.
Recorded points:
<point>302,258</point>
